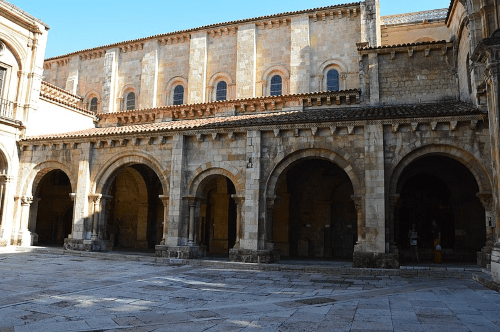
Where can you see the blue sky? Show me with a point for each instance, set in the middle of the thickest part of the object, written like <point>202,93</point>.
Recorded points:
<point>77,25</point>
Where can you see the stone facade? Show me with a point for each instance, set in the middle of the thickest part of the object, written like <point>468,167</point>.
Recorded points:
<point>357,139</point>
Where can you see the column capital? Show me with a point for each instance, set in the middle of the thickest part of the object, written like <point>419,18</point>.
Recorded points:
<point>72,196</point>
<point>26,200</point>
<point>270,200</point>
<point>358,202</point>
<point>394,199</point>
<point>487,200</point>
<point>191,200</point>
<point>238,199</point>
<point>96,198</point>
<point>164,199</point>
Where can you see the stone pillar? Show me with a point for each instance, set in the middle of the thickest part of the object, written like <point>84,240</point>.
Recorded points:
<point>358,205</point>
<point>81,208</point>
<point>392,223</point>
<point>246,61</point>
<point>300,61</point>
<point>24,237</point>
<point>96,210</point>
<point>239,205</point>
<point>252,190</point>
<point>192,206</point>
<point>484,256</point>
<point>175,238</point>
<point>102,221</point>
<point>73,199</point>
<point>269,241</point>
<point>7,216</point>
<point>3,185</point>
<point>164,200</point>
<point>32,220</point>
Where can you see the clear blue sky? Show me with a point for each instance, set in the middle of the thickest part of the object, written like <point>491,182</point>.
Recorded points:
<point>80,24</point>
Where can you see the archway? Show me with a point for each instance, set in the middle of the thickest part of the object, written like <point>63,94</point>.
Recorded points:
<point>133,217</point>
<point>217,215</point>
<point>54,209</point>
<point>314,215</point>
<point>435,187</point>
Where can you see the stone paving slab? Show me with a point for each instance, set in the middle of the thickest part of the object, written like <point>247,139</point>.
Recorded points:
<point>56,292</point>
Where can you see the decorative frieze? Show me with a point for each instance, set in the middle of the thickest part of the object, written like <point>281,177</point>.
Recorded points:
<point>337,13</point>
<point>94,54</point>
<point>222,31</point>
<point>276,23</point>
<point>131,47</point>
<point>175,39</point>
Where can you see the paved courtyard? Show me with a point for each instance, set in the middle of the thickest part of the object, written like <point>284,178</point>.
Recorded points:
<point>49,292</point>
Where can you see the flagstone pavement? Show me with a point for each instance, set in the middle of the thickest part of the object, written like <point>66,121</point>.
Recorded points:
<point>49,292</point>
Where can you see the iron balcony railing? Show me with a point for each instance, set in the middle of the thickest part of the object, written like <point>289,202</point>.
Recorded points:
<point>6,109</point>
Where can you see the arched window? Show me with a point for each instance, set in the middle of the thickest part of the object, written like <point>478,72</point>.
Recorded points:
<point>93,104</point>
<point>332,80</point>
<point>178,95</point>
<point>221,92</point>
<point>130,101</point>
<point>276,85</point>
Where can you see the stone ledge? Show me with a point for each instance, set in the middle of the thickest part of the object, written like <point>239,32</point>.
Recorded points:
<point>254,256</point>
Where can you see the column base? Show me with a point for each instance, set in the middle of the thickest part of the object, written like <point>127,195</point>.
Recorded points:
<point>86,245</point>
<point>484,257</point>
<point>27,239</point>
<point>495,263</point>
<point>254,256</point>
<point>180,252</point>
<point>375,260</point>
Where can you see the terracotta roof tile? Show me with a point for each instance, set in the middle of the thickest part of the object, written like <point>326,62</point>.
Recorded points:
<point>277,118</point>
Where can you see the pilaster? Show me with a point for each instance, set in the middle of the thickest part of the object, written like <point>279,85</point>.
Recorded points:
<point>246,61</point>
<point>175,237</point>
<point>300,58</point>
<point>197,68</point>
<point>109,81</point>
<point>149,77</point>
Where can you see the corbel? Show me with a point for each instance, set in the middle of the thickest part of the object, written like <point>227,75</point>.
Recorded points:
<point>329,101</point>
<point>410,51</point>
<point>199,137</point>
<point>231,135</point>
<point>315,17</point>
<point>215,136</point>
<point>309,102</point>
<point>393,55</point>
<point>323,17</point>
<point>74,145</point>
<point>331,15</point>
<point>252,107</point>
<point>242,108</point>
<point>339,13</point>
<point>163,140</point>
<point>111,143</point>
<point>151,140</point>
<point>314,131</point>
<point>453,125</point>
<point>123,141</point>
<point>434,125</point>
<point>273,105</point>
<point>337,101</point>
<point>262,106</point>
<point>350,130</point>
<point>473,124</point>
<point>348,100</point>
<point>284,22</point>
<point>136,141</point>
<point>43,147</point>
<point>427,51</point>
<point>296,132</point>
<point>276,132</point>
<point>414,126</point>
<point>444,50</point>
<point>54,147</point>
<point>348,13</point>
<point>333,130</point>
<point>395,127</point>
<point>355,12</point>
<point>318,101</point>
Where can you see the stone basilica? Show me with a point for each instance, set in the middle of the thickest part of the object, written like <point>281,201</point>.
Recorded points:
<point>322,133</point>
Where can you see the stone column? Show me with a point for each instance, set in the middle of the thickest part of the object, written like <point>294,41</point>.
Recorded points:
<point>269,241</point>
<point>392,223</point>
<point>164,200</point>
<point>24,233</point>
<point>73,199</point>
<point>239,204</point>
<point>32,219</point>
<point>192,205</point>
<point>96,210</point>
<point>358,204</point>
<point>484,257</point>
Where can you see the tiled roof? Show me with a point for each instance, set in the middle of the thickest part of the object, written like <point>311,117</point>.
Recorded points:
<point>25,13</point>
<point>279,118</point>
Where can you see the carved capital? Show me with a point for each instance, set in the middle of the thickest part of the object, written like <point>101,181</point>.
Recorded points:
<point>238,200</point>
<point>487,201</point>
<point>191,200</point>
<point>358,202</point>
<point>164,200</point>
<point>270,200</point>
<point>26,200</point>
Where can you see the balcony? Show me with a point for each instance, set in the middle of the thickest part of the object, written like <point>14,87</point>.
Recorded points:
<point>6,109</point>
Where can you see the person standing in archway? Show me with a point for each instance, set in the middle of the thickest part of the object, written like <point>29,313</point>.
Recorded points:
<point>413,236</point>
<point>436,250</point>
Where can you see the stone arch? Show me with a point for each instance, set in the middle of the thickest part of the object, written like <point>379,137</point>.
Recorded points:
<point>344,161</point>
<point>467,158</point>
<point>17,49</point>
<point>37,173</point>
<point>269,73</point>
<point>105,176</point>
<point>336,64</point>
<point>125,91</point>
<point>171,84</point>
<point>89,96</point>
<point>216,78</point>
<point>5,161</point>
<point>204,172</point>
